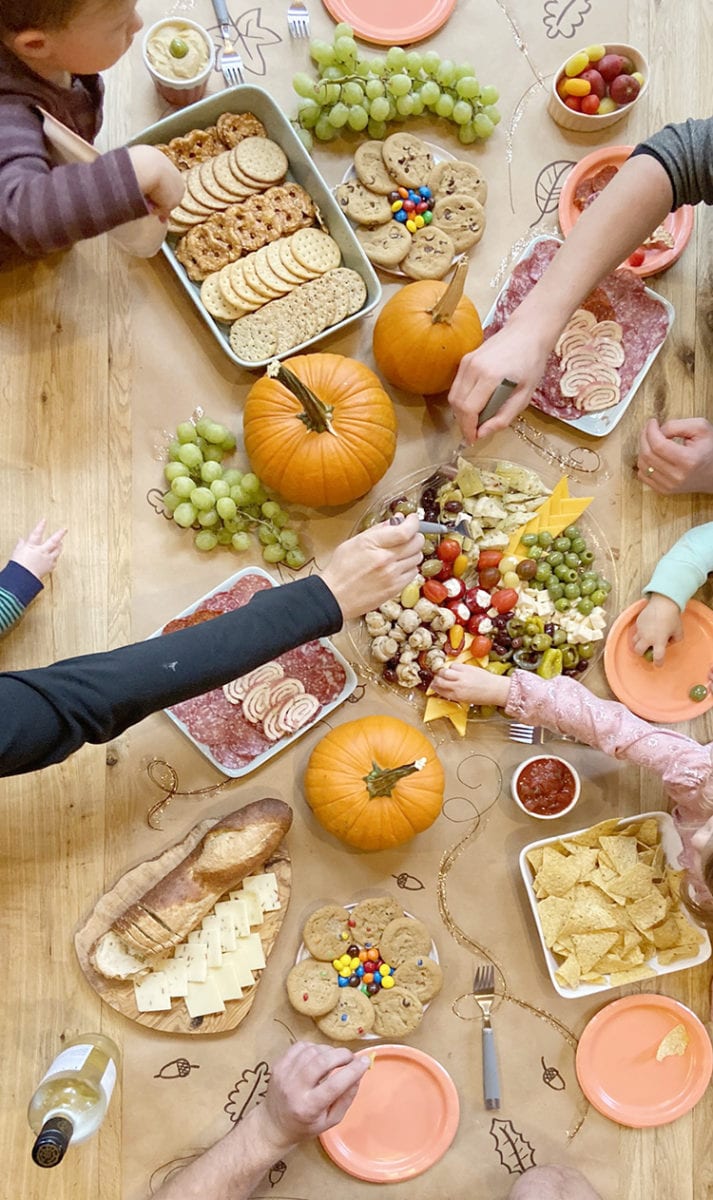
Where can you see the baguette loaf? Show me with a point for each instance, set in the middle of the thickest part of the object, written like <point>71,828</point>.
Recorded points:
<point>164,916</point>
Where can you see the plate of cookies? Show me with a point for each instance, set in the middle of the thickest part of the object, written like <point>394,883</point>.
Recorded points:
<point>258,242</point>
<point>364,971</point>
<point>414,206</point>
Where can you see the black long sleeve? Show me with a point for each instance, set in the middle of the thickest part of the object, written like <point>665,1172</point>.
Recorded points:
<point>48,713</point>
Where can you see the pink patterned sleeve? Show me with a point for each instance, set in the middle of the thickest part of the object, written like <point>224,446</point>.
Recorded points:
<point>567,707</point>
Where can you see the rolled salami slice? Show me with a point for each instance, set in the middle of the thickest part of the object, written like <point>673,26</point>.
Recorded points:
<point>237,689</point>
<point>297,712</point>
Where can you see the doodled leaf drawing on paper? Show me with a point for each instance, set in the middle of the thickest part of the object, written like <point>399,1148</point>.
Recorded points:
<point>512,1148</point>
<point>248,1091</point>
<point>252,37</point>
<point>564,17</point>
<point>548,186</point>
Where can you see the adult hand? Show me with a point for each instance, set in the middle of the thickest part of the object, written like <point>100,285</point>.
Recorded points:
<point>161,183</point>
<point>374,566</point>
<point>515,353</point>
<point>39,554</point>
<point>657,625</point>
<point>471,685</point>
<point>311,1088</point>
<point>669,466</point>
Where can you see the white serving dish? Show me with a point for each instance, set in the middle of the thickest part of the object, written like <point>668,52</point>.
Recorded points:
<point>274,747</point>
<point>301,169</point>
<point>601,423</point>
<point>672,848</point>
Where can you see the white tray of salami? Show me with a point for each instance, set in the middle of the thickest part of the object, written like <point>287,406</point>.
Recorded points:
<point>644,316</point>
<point>271,707</point>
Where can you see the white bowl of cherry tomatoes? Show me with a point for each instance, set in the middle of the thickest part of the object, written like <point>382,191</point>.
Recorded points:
<point>597,86</point>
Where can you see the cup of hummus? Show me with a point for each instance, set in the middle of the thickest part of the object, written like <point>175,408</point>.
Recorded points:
<point>179,56</point>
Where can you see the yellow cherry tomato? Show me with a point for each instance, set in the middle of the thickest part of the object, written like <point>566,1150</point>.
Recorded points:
<point>577,87</point>
<point>456,635</point>
<point>410,595</point>
<point>638,77</point>
<point>594,53</point>
<point>578,62</point>
<point>460,566</point>
<point>607,105</point>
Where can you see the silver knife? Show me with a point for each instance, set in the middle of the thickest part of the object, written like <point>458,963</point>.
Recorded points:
<point>502,393</point>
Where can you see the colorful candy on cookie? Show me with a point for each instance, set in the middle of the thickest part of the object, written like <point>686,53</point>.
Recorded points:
<point>596,82</point>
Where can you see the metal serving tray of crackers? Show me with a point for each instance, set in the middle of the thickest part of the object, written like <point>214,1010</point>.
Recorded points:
<point>258,242</point>
<point>604,351</point>
<point>249,720</point>
<point>606,902</point>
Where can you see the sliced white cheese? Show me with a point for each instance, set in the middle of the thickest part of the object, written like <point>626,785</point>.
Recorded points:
<point>254,907</point>
<point>195,956</point>
<point>175,971</point>
<point>265,887</point>
<point>227,980</point>
<point>238,911</point>
<point>211,938</point>
<point>239,964</point>
<point>211,921</point>
<point>226,928</point>
<point>251,951</point>
<point>151,994</point>
<point>202,999</point>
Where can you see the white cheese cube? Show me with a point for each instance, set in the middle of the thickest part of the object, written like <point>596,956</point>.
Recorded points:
<point>151,993</point>
<point>227,980</point>
<point>265,887</point>
<point>250,948</point>
<point>175,971</point>
<point>202,999</point>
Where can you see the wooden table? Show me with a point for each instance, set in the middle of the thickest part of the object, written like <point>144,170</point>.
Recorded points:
<point>87,343</point>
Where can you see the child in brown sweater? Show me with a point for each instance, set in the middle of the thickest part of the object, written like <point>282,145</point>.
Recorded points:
<point>50,54</point>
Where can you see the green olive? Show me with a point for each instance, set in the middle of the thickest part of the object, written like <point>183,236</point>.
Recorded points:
<point>543,571</point>
<point>699,692</point>
<point>579,545</point>
<point>536,552</point>
<point>562,572</point>
<point>555,558</point>
<point>555,589</point>
<point>572,531</point>
<point>587,556</point>
<point>598,597</point>
<point>559,637</point>
<point>563,544</point>
<point>543,641</point>
<point>178,48</point>
<point>562,605</point>
<point>587,586</point>
<point>571,559</point>
<point>529,539</point>
<point>586,649</point>
<point>585,606</point>
<point>544,538</point>
<point>571,591</point>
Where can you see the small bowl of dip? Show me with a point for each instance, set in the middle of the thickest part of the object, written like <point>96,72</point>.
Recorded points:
<point>179,55</point>
<point>545,787</point>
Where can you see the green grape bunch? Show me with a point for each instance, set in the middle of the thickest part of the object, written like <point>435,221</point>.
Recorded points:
<point>362,93</point>
<point>225,507</point>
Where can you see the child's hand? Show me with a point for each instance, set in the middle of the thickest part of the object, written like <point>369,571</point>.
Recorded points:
<point>161,183</point>
<point>38,554</point>
<point>471,685</point>
<point>657,625</point>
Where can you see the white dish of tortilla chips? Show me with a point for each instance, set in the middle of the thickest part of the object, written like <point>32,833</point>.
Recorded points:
<point>605,903</point>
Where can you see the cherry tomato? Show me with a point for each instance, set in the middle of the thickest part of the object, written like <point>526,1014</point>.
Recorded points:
<point>460,565</point>
<point>448,549</point>
<point>481,645</point>
<point>446,571</point>
<point>636,259</point>
<point>434,591</point>
<point>489,578</point>
<point>504,600</point>
<point>590,104</point>
<point>489,558</point>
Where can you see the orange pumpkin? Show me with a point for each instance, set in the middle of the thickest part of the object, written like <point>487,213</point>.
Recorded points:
<point>423,331</point>
<point>374,783</point>
<point>319,429</point>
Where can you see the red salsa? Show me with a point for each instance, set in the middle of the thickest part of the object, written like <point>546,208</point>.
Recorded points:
<point>546,786</point>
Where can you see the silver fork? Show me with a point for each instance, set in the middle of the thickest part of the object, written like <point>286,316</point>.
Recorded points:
<point>231,64</point>
<point>484,994</point>
<point>298,19</point>
<point>535,735</point>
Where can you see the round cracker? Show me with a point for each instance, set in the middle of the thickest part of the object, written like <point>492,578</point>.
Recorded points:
<point>214,301</point>
<point>261,159</point>
<point>314,250</point>
<point>267,276</point>
<point>254,281</point>
<point>252,338</point>
<point>209,181</point>
<point>248,296</point>
<point>197,191</point>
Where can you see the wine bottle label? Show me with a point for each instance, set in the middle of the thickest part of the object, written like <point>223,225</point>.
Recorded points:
<point>108,1079</point>
<point>72,1059</point>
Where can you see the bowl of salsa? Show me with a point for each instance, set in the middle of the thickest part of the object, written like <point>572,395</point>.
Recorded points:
<point>545,787</point>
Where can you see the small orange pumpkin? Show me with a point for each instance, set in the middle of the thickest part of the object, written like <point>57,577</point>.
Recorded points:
<point>424,331</point>
<point>374,783</point>
<point>319,429</point>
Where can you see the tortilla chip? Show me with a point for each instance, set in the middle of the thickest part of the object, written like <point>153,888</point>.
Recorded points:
<point>534,857</point>
<point>666,935</point>
<point>649,911</point>
<point>619,978</point>
<point>634,884</point>
<point>591,947</point>
<point>590,837</point>
<point>648,831</point>
<point>675,1042</point>
<point>569,973</point>
<point>557,875</point>
<point>553,913</point>
<point>620,851</point>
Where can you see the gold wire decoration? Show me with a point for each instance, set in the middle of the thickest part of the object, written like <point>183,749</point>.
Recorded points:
<point>503,993</point>
<point>165,777</point>
<point>580,461</point>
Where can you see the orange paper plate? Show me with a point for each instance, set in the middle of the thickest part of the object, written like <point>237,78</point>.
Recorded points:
<point>403,1120</point>
<point>679,223</point>
<point>661,693</point>
<point>392,24</point>
<point>617,1068</point>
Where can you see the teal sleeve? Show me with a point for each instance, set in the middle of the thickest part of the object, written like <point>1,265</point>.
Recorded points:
<point>684,569</point>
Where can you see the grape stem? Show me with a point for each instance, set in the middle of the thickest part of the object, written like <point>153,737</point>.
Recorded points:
<point>443,310</point>
<point>317,415</point>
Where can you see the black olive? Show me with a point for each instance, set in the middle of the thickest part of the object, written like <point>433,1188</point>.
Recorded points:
<point>452,506</point>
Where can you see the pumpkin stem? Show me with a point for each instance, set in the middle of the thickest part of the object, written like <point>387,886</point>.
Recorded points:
<point>317,415</point>
<point>382,780</point>
<point>444,308</point>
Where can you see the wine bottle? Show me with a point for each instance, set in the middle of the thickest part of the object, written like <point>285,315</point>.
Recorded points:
<point>73,1096</point>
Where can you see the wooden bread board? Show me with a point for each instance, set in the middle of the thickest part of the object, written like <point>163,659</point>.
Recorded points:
<point>119,993</point>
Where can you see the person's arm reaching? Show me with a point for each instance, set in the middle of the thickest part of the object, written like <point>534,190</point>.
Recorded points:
<point>48,713</point>
<point>310,1090</point>
<point>623,215</point>
<point>677,576</point>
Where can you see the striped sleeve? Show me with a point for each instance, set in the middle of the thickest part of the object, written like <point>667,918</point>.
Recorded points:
<point>18,587</point>
<point>45,208</point>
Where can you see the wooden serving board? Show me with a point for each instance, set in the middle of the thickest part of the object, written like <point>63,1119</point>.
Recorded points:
<point>119,993</point>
